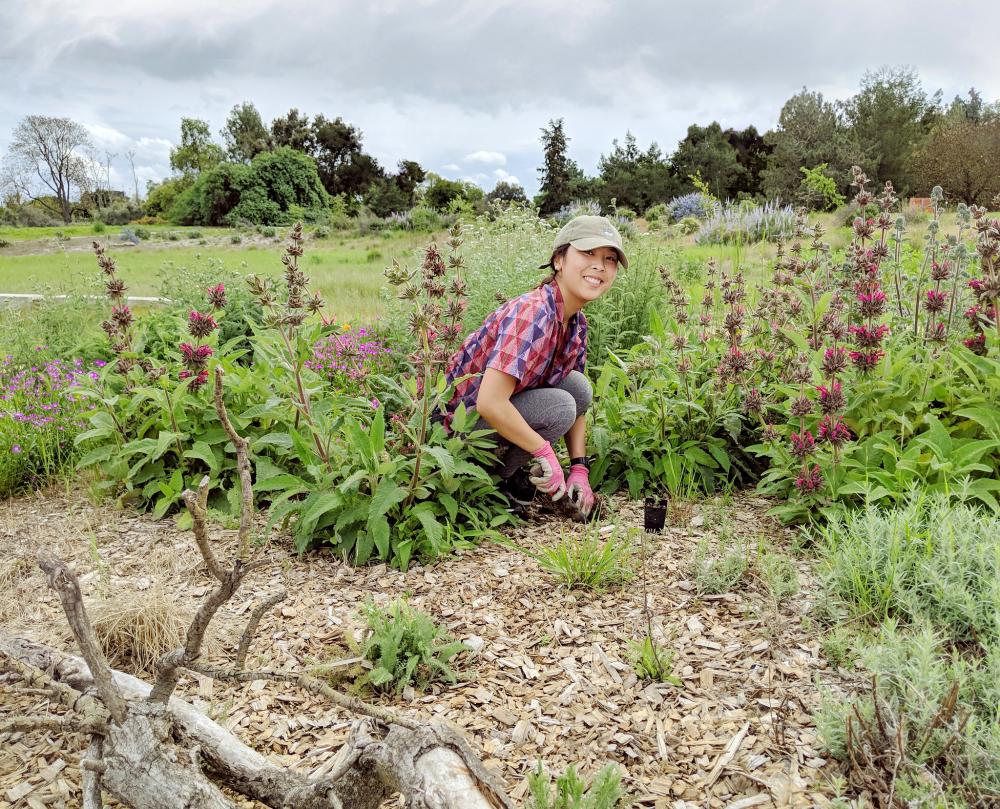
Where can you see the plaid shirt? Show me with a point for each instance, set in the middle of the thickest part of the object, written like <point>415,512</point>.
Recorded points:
<point>523,338</point>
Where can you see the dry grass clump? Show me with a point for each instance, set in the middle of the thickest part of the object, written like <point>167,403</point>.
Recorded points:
<point>12,569</point>
<point>136,628</point>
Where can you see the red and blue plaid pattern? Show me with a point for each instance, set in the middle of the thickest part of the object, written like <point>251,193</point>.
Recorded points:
<point>522,338</point>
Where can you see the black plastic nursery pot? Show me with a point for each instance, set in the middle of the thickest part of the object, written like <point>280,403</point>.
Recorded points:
<point>654,514</point>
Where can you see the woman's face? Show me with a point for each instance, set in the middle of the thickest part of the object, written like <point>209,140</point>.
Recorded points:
<point>587,274</point>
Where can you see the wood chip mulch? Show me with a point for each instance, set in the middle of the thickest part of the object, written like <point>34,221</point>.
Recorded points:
<point>550,678</point>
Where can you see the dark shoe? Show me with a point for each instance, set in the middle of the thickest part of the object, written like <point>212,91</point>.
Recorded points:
<point>519,491</point>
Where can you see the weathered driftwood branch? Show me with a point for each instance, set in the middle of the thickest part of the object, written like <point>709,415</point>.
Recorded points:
<point>62,580</point>
<point>375,755</point>
<point>68,724</point>
<point>197,506</point>
<point>251,628</point>
<point>169,666</point>
<point>313,686</point>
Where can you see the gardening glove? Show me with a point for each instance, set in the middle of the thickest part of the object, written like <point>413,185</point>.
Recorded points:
<point>578,488</point>
<point>546,473</point>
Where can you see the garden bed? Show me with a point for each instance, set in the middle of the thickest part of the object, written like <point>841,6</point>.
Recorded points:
<point>550,678</point>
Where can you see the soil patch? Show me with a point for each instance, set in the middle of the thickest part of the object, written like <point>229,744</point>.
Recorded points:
<point>550,678</point>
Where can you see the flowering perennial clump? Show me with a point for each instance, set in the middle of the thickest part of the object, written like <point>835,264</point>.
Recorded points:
<point>346,359</point>
<point>41,410</point>
<point>195,357</point>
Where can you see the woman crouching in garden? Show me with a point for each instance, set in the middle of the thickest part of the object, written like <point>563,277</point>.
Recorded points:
<point>527,362</point>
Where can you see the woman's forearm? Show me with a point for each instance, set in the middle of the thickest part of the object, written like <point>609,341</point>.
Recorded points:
<point>576,438</point>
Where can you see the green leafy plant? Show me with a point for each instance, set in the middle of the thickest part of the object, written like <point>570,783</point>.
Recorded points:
<point>653,662</point>
<point>374,478</point>
<point>406,647</point>
<point>718,569</point>
<point>590,562</point>
<point>571,792</point>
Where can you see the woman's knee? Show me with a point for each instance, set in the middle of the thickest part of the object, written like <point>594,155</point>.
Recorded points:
<point>549,411</point>
<point>579,387</point>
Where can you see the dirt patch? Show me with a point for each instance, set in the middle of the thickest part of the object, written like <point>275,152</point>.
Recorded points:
<point>550,678</point>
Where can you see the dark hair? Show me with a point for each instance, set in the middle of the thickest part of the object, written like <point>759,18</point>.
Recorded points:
<point>559,252</point>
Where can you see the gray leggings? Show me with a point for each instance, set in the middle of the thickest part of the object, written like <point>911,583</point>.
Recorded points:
<point>550,412</point>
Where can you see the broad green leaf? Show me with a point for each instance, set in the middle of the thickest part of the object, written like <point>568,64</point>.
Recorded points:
<point>386,496</point>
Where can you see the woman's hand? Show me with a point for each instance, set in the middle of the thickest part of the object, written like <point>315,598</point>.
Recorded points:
<point>546,473</point>
<point>578,489</point>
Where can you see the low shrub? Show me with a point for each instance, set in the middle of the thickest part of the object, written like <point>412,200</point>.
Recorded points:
<point>929,560</point>
<point>928,731</point>
<point>406,647</point>
<point>747,223</point>
<point>695,205</point>
<point>657,213</point>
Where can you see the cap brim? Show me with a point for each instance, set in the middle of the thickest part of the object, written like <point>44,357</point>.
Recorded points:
<point>593,242</point>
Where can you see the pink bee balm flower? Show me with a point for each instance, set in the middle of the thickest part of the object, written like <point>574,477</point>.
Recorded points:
<point>833,431</point>
<point>803,444</point>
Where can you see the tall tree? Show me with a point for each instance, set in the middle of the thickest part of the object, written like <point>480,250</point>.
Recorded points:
<point>45,156</point>
<point>633,178</point>
<point>197,151</point>
<point>963,157</point>
<point>561,177</point>
<point>343,167</point>
<point>751,154</point>
<point>810,131</point>
<point>890,117</point>
<point>707,152</point>
<point>293,130</point>
<point>244,134</point>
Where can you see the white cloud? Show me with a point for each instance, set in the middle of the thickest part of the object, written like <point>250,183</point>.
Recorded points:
<point>489,158</point>
<point>451,167</point>
<point>504,176</point>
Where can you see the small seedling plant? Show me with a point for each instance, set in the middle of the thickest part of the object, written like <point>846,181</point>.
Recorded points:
<point>571,792</point>
<point>406,648</point>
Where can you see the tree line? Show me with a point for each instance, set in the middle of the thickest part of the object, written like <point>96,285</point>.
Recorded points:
<point>262,173</point>
<point>892,128</point>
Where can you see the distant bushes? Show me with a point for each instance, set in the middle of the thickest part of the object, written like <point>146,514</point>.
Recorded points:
<point>694,204</point>
<point>264,193</point>
<point>747,223</point>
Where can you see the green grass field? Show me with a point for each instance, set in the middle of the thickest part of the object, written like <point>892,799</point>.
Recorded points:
<point>347,270</point>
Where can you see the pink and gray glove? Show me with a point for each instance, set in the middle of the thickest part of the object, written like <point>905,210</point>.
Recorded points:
<point>546,473</point>
<point>578,489</point>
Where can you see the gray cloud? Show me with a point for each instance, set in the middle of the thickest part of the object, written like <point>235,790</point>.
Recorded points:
<point>441,80</point>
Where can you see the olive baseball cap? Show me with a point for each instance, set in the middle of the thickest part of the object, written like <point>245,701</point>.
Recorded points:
<point>587,233</point>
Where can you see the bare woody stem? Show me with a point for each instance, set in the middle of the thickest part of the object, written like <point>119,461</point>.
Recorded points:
<point>62,580</point>
<point>242,464</point>
<point>197,506</point>
<point>313,686</point>
<point>170,664</point>
<point>247,638</point>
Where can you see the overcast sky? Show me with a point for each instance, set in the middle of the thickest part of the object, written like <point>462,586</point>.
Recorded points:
<point>464,87</point>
